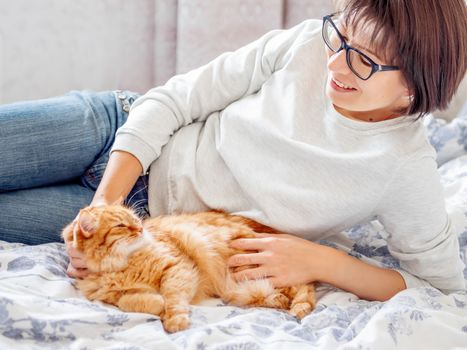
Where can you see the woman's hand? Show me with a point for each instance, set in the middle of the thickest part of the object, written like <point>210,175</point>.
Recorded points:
<point>286,260</point>
<point>77,266</point>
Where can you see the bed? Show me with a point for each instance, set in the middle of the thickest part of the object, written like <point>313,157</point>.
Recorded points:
<point>40,307</point>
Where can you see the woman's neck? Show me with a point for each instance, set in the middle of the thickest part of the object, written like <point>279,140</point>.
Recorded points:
<point>377,115</point>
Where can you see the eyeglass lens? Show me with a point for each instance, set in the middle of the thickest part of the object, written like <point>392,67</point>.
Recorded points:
<point>358,63</point>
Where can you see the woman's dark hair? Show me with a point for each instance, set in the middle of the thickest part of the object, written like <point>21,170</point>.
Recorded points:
<point>427,39</point>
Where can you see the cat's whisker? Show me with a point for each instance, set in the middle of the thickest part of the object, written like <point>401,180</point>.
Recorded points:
<point>137,203</point>
<point>134,194</point>
<point>141,212</point>
<point>135,206</point>
<point>138,212</point>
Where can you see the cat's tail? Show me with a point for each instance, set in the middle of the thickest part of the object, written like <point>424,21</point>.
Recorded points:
<point>248,292</point>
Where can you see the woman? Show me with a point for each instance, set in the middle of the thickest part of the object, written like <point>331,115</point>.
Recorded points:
<point>308,140</point>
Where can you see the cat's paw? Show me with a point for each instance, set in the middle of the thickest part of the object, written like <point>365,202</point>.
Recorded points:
<point>277,300</point>
<point>155,305</point>
<point>300,310</point>
<point>176,323</point>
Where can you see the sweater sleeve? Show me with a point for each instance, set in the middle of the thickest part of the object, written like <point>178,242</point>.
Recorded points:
<point>421,235</point>
<point>193,96</point>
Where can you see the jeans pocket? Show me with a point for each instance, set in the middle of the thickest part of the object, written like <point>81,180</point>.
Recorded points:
<point>92,177</point>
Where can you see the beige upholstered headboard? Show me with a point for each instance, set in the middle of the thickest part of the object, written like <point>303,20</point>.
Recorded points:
<point>49,47</point>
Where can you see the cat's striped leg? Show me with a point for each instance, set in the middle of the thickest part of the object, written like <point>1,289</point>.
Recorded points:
<point>178,287</point>
<point>151,303</point>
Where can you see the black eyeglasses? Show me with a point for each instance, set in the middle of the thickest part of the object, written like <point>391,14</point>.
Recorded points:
<point>359,63</point>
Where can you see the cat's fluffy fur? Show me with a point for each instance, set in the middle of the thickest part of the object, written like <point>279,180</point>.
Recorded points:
<point>164,264</point>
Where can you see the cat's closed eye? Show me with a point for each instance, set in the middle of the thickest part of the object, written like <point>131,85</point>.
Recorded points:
<point>119,225</point>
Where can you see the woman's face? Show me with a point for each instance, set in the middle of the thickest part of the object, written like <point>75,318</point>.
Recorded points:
<point>375,99</point>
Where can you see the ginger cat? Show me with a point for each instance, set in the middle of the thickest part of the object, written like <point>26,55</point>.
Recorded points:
<point>164,264</point>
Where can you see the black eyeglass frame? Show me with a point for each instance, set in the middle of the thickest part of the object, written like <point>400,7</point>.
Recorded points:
<point>374,66</point>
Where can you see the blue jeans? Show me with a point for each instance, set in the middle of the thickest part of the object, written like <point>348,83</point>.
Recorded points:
<point>53,154</point>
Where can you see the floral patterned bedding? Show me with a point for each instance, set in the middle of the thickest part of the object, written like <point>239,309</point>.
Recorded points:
<point>41,309</point>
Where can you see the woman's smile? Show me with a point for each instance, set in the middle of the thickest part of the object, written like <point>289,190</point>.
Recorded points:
<point>341,87</point>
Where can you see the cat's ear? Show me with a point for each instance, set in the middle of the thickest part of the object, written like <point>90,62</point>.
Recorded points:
<point>88,223</point>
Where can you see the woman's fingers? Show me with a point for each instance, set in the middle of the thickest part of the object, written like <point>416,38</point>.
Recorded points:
<point>246,259</point>
<point>250,274</point>
<point>77,266</point>
<point>266,235</point>
<point>76,272</point>
<point>252,243</point>
<point>76,257</point>
<point>73,252</point>
<point>78,263</point>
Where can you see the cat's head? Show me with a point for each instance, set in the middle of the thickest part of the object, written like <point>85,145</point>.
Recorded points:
<point>106,235</point>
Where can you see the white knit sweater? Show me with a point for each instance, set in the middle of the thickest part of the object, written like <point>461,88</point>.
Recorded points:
<point>252,133</point>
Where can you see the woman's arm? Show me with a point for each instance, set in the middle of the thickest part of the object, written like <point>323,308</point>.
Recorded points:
<point>420,234</point>
<point>120,175</point>
<point>289,260</point>
<point>364,280</point>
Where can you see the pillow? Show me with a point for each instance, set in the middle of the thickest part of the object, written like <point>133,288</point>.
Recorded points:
<point>448,138</point>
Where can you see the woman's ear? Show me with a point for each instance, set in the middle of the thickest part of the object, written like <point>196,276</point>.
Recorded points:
<point>88,223</point>
<point>408,94</point>
<point>408,91</point>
